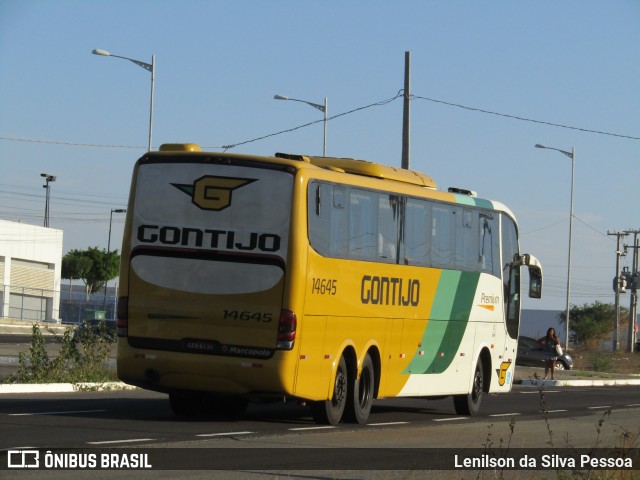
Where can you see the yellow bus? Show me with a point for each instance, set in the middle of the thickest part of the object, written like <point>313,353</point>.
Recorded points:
<point>330,281</point>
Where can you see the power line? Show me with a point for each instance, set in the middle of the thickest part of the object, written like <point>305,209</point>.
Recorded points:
<point>528,232</point>
<point>72,144</point>
<point>376,104</point>
<point>381,103</point>
<point>593,228</point>
<point>62,190</point>
<point>543,228</point>
<point>523,119</point>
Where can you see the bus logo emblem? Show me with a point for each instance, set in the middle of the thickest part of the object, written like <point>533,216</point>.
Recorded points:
<point>212,193</point>
<point>504,375</point>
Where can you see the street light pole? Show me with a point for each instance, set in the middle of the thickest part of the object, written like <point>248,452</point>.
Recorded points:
<point>322,108</point>
<point>47,178</point>
<point>151,67</point>
<point>572,156</point>
<point>113,210</point>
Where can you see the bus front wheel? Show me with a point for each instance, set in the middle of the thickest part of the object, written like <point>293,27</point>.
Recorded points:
<point>361,394</point>
<point>330,411</point>
<point>470,403</point>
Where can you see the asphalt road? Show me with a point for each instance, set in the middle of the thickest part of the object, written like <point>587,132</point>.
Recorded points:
<point>82,419</point>
<point>527,418</point>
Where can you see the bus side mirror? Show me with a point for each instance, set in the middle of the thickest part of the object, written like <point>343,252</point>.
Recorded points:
<point>535,273</point>
<point>535,282</point>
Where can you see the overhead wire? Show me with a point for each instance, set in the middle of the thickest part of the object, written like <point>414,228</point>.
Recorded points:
<point>72,144</point>
<point>523,119</point>
<point>376,104</point>
<point>380,103</point>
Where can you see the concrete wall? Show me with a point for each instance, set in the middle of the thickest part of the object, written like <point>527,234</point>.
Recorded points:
<point>30,268</point>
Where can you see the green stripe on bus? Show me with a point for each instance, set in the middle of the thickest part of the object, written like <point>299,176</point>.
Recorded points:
<point>465,199</point>
<point>447,323</point>
<point>484,203</point>
<point>473,201</point>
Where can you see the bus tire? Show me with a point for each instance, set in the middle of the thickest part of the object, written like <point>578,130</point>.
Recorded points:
<point>185,405</point>
<point>330,411</point>
<point>360,398</point>
<point>227,407</point>
<point>470,403</point>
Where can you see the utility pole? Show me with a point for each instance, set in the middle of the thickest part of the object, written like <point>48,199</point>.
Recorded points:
<point>633,316</point>
<point>617,288</point>
<point>406,112</point>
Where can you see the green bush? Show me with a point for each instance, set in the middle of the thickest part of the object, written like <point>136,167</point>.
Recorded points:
<point>80,360</point>
<point>590,323</point>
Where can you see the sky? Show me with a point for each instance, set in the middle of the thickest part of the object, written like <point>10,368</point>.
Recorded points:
<point>568,70</point>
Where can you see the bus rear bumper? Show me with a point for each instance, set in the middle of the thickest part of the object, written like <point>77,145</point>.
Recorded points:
<point>170,371</point>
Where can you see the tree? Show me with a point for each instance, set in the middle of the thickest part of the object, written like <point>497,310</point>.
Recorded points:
<point>93,266</point>
<point>75,267</point>
<point>590,323</point>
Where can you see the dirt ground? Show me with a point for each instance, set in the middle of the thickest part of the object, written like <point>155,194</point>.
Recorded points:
<point>603,361</point>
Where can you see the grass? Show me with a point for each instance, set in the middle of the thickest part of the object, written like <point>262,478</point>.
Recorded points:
<point>619,362</point>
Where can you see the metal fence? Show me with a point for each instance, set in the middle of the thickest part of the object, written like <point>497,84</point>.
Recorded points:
<point>66,306</point>
<point>96,307</point>
<point>25,303</point>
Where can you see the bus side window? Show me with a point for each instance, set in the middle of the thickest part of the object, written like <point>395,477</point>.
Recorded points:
<point>338,237</point>
<point>467,240</point>
<point>363,225</point>
<point>417,228</point>
<point>327,219</point>
<point>389,210</point>
<point>489,244</point>
<point>443,236</point>
<point>318,218</point>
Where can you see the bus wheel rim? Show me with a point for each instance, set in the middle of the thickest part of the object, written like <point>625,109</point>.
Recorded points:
<point>340,389</point>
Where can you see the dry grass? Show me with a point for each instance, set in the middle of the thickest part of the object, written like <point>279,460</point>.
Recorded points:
<point>606,361</point>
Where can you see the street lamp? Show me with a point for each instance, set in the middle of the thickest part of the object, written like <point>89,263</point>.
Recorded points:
<point>572,156</point>
<point>322,108</point>
<point>147,66</point>
<point>113,210</point>
<point>47,178</point>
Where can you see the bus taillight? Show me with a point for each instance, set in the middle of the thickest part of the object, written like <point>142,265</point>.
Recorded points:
<point>286,330</point>
<point>123,316</point>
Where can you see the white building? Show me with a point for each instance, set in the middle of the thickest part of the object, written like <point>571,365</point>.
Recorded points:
<point>30,268</point>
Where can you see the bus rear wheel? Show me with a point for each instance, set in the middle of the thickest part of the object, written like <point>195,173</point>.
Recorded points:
<point>470,403</point>
<point>360,397</point>
<point>330,411</point>
<point>188,405</point>
<point>227,407</point>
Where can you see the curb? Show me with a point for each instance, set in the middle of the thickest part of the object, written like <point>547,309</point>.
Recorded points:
<point>14,361</point>
<point>63,387</point>
<point>108,386</point>
<point>47,329</point>
<point>600,382</point>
